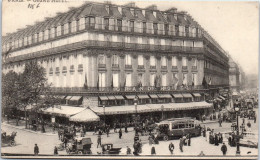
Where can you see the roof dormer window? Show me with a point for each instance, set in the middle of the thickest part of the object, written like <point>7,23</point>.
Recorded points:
<point>154,13</point>
<point>175,16</point>
<point>120,10</point>
<point>143,12</point>
<point>132,11</point>
<point>107,8</point>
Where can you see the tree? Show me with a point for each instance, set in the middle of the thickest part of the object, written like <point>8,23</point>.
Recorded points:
<point>10,102</point>
<point>32,88</point>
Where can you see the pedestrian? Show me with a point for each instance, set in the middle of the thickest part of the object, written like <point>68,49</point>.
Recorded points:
<point>201,154</point>
<point>55,150</point>
<point>126,131</point>
<point>249,126</point>
<point>107,131</point>
<point>128,150</point>
<point>99,132</point>
<point>189,139</point>
<point>150,138</point>
<point>99,141</point>
<point>136,138</point>
<point>120,133</point>
<point>95,130</point>
<point>224,149</point>
<point>220,122</point>
<point>171,147</point>
<point>181,144</point>
<point>153,150</point>
<point>65,141</point>
<point>36,150</point>
<point>115,128</point>
<point>216,139</point>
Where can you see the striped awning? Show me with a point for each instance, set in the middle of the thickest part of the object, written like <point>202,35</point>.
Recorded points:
<point>153,96</point>
<point>103,98</point>
<point>119,97</point>
<point>196,94</point>
<point>111,97</point>
<point>130,96</point>
<point>164,96</point>
<point>68,97</point>
<point>63,111</point>
<point>75,98</point>
<point>187,95</point>
<point>177,95</point>
<point>143,96</point>
<point>86,115</point>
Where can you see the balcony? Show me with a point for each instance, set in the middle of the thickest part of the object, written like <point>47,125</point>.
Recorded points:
<point>140,67</point>
<point>185,68</point>
<point>194,68</point>
<point>128,67</point>
<point>126,89</point>
<point>152,67</point>
<point>115,65</point>
<point>108,45</point>
<point>164,67</point>
<point>101,65</point>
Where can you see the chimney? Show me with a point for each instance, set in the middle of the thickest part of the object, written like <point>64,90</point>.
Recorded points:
<point>172,10</point>
<point>152,7</point>
<point>108,9</point>
<point>131,4</point>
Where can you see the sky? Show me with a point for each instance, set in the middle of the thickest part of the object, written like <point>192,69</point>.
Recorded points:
<point>233,24</point>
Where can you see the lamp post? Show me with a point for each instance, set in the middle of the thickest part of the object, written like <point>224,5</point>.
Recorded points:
<point>135,103</point>
<point>162,107</point>
<point>238,149</point>
<point>104,110</point>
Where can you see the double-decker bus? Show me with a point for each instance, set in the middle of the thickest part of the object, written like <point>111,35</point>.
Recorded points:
<point>177,127</point>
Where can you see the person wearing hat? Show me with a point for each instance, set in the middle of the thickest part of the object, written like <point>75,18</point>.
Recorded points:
<point>224,149</point>
<point>153,150</point>
<point>36,150</point>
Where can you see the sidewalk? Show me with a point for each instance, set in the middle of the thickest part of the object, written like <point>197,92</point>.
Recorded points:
<point>22,127</point>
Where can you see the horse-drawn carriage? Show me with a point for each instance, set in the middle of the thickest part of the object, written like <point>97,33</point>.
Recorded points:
<point>79,146</point>
<point>8,139</point>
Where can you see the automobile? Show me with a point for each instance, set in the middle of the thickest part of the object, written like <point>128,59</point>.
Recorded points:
<point>81,145</point>
<point>8,139</point>
<point>177,127</point>
<point>109,149</point>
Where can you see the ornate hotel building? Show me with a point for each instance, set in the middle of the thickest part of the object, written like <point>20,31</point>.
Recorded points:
<point>103,54</point>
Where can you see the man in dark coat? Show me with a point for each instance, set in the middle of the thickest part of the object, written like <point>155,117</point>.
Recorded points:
<point>171,147</point>
<point>55,150</point>
<point>224,149</point>
<point>120,133</point>
<point>153,151</point>
<point>216,140</point>
<point>99,140</point>
<point>36,150</point>
<point>126,128</point>
<point>189,139</point>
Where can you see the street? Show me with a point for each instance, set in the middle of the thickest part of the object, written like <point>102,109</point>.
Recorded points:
<point>25,142</point>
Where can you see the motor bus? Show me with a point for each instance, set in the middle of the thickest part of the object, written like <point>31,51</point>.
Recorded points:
<point>177,127</point>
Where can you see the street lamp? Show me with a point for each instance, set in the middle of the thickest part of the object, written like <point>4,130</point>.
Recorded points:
<point>237,110</point>
<point>162,107</point>
<point>135,103</point>
<point>104,110</point>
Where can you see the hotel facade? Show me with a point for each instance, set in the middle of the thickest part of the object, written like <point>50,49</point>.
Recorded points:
<point>122,60</point>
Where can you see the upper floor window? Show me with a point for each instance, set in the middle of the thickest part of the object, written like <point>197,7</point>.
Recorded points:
<point>46,34</point>
<point>164,80</point>
<point>155,28</point>
<point>128,59</point>
<point>52,32</point>
<point>184,61</point>
<point>166,28</point>
<point>194,62</point>
<point>40,36</point>
<point>140,60</point>
<point>177,30</point>
<point>81,23</point>
<point>115,59</point>
<point>163,61</point>
<point>152,61</point>
<point>152,79</point>
<point>128,80</point>
<point>102,79</point>
<point>106,23</point>
<point>66,28</point>
<point>144,27</point>
<point>132,26</point>
<point>174,61</point>
<point>119,24</point>
<point>73,26</point>
<point>25,40</point>
<point>101,59</point>
<point>58,30</point>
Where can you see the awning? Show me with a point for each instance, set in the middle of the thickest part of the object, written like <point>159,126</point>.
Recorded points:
<point>196,94</point>
<point>60,96</point>
<point>86,115</point>
<point>218,99</point>
<point>164,96</point>
<point>75,98</point>
<point>130,96</point>
<point>111,97</point>
<point>187,95</point>
<point>119,97</point>
<point>153,96</point>
<point>64,111</point>
<point>103,98</point>
<point>143,96</point>
<point>121,109</point>
<point>177,95</point>
<point>68,97</point>
<point>222,97</point>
